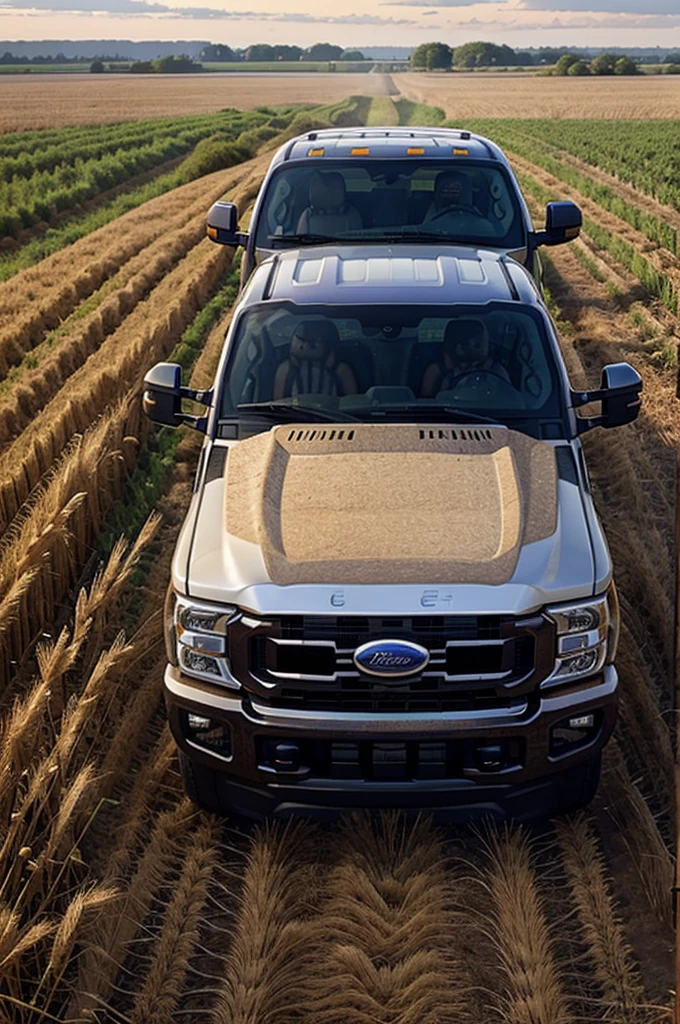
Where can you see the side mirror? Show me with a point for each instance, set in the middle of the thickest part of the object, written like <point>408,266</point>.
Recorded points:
<point>562,223</point>
<point>619,393</point>
<point>163,396</point>
<point>223,225</point>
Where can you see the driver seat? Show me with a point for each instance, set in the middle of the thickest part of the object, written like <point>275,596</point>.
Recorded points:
<point>466,348</point>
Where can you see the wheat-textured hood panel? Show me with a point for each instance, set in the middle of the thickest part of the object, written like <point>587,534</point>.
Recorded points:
<point>390,504</point>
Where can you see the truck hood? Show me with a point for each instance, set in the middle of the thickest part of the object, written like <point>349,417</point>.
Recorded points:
<point>372,507</point>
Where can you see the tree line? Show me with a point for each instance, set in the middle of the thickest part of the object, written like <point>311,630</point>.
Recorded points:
<point>441,57</point>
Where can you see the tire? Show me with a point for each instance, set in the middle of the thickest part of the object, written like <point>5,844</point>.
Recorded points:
<point>200,784</point>
<point>577,786</point>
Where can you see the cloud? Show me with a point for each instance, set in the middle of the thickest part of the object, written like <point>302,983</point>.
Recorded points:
<point>613,7</point>
<point>143,7</point>
<point>606,6</point>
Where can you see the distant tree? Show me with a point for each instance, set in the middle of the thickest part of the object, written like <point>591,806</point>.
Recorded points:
<point>259,52</point>
<point>566,61</point>
<point>218,52</point>
<point>322,51</point>
<point>288,52</point>
<point>626,66</point>
<point>604,64</point>
<point>432,57</point>
<point>175,65</point>
<point>141,67</point>
<point>484,55</point>
<point>352,55</point>
<point>96,67</point>
<point>672,58</point>
<point>578,69</point>
<point>524,57</point>
<point>672,69</point>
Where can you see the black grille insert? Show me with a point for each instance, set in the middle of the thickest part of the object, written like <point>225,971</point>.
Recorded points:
<point>476,663</point>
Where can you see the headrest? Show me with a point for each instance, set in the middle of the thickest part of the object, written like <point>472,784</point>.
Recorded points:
<point>317,338</point>
<point>453,188</point>
<point>327,191</point>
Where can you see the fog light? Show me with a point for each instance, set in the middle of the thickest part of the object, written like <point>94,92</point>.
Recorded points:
<point>198,722</point>
<point>573,733</point>
<point>582,722</point>
<point>208,733</point>
<point>490,757</point>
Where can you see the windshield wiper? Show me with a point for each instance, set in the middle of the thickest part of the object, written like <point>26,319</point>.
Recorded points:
<point>287,411</point>
<point>445,412</point>
<point>306,239</point>
<point>416,235</point>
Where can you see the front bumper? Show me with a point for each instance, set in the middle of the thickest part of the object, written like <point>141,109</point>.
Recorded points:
<point>317,785</point>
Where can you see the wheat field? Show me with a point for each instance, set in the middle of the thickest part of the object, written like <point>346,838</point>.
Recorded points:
<point>494,94</point>
<point>122,902</point>
<point>48,101</point>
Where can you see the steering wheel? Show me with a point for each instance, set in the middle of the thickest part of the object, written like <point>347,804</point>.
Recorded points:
<point>458,209</point>
<point>477,374</point>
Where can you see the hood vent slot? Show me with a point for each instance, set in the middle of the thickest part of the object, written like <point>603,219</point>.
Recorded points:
<point>321,434</point>
<point>459,434</point>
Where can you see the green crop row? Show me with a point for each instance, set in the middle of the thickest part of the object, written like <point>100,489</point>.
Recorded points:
<point>47,146</point>
<point>533,148</point>
<point>645,154</point>
<point>28,199</point>
<point>653,280</point>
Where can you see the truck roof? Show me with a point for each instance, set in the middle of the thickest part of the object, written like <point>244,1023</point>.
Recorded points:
<point>394,143</point>
<point>391,274</point>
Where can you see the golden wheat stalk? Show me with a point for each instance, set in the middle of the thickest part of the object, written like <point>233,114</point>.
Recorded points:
<point>385,938</point>
<point>71,928</point>
<point>530,989</point>
<point>24,940</point>
<point>649,854</point>
<point>114,936</point>
<point>177,940</point>
<point>264,976</point>
<point>610,954</point>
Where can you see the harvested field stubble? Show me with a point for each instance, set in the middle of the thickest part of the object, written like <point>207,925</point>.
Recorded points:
<point>509,95</point>
<point>48,101</point>
<point>38,299</point>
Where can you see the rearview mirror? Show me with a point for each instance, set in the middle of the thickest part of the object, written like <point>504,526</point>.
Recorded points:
<point>163,395</point>
<point>619,393</point>
<point>562,224</point>
<point>223,225</point>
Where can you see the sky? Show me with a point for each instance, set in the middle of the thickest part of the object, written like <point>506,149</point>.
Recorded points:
<point>518,23</point>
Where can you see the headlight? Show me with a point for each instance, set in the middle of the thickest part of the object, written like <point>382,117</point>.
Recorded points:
<point>587,636</point>
<point>201,642</point>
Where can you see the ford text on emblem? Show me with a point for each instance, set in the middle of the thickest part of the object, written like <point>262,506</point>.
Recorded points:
<point>391,658</point>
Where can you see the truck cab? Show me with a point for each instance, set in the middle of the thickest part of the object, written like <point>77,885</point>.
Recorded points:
<point>377,186</point>
<point>392,587</point>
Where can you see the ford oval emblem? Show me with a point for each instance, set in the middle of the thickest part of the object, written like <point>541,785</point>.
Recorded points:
<point>391,658</point>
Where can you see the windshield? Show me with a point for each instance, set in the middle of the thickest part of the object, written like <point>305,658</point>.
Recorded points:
<point>472,202</point>
<point>492,361</point>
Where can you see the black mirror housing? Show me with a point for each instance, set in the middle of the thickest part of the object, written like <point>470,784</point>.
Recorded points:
<point>162,399</point>
<point>163,395</point>
<point>563,222</point>
<point>222,225</point>
<point>619,393</point>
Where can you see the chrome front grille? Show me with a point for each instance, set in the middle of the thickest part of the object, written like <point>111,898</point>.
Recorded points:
<point>476,663</point>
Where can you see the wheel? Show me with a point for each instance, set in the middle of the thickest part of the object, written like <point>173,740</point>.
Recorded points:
<point>577,786</point>
<point>200,783</point>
